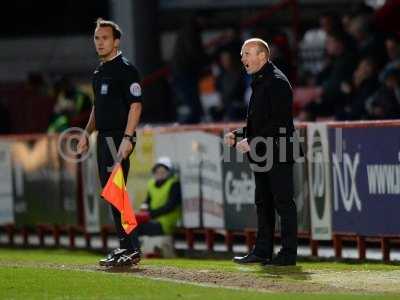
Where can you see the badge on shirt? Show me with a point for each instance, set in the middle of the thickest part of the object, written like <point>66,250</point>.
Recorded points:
<point>104,89</point>
<point>135,89</point>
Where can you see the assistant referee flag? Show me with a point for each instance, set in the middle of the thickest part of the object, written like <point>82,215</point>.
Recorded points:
<point>115,193</point>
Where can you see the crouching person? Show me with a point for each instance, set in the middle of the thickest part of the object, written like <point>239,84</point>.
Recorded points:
<point>163,205</point>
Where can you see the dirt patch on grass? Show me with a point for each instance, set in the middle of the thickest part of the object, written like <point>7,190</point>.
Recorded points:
<point>234,280</point>
<point>286,279</point>
<point>272,279</point>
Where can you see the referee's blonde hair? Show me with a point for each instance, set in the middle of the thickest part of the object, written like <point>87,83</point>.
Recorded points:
<point>262,45</point>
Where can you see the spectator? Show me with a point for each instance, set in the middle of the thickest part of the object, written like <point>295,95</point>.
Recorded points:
<point>230,85</point>
<point>339,70</point>
<point>346,21</point>
<point>234,45</point>
<point>385,103</point>
<point>37,101</point>
<point>281,54</point>
<point>187,63</point>
<point>72,107</point>
<point>163,202</point>
<point>368,42</point>
<point>312,46</point>
<point>363,85</point>
<point>392,45</point>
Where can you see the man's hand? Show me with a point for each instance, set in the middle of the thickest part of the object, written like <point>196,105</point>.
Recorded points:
<point>229,139</point>
<point>83,144</point>
<point>243,146</point>
<point>125,148</point>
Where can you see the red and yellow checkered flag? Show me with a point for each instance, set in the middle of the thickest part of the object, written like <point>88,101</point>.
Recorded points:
<point>115,193</point>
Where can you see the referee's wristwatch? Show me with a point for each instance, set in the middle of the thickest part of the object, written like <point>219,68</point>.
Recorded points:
<point>131,138</point>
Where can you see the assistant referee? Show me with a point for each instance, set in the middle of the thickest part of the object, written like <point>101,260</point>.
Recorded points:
<point>115,114</point>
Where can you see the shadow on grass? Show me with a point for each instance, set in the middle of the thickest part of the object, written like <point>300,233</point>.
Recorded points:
<point>289,272</point>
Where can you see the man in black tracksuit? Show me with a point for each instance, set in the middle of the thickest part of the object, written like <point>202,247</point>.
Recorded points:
<point>268,142</point>
<point>115,115</point>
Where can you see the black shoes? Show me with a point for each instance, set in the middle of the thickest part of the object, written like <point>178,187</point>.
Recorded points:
<point>281,260</point>
<point>128,258</point>
<point>250,258</point>
<point>111,258</point>
<point>120,257</point>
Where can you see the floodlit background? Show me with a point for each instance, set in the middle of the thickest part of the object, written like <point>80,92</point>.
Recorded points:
<point>47,48</point>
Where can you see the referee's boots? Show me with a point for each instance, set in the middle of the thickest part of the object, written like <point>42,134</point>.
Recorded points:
<point>120,257</point>
<point>128,258</point>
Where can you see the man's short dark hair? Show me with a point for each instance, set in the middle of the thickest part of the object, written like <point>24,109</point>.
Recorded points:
<point>117,33</point>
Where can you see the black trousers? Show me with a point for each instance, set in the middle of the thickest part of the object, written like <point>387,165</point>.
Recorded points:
<point>150,228</point>
<point>105,162</point>
<point>274,193</point>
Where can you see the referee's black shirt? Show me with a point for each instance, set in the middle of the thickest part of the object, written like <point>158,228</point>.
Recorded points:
<point>116,86</point>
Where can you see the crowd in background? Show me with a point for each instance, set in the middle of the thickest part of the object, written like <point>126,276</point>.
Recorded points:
<point>351,63</point>
<point>355,67</point>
